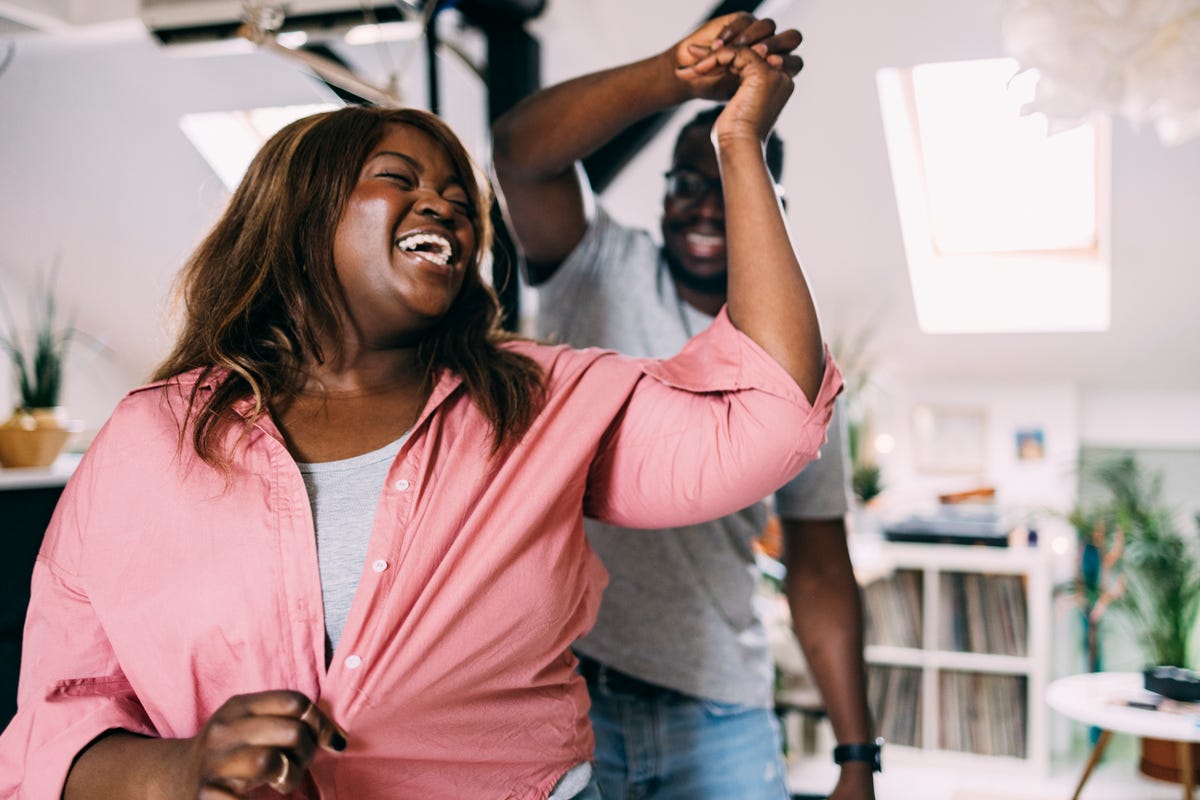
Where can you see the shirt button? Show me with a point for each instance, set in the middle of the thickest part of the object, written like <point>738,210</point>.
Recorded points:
<point>379,565</point>
<point>353,662</point>
<point>401,485</point>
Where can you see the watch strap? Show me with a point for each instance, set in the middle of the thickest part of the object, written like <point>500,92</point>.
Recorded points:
<point>860,751</point>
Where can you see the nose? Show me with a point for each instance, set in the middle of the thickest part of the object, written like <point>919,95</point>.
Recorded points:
<point>431,204</point>
<point>711,203</point>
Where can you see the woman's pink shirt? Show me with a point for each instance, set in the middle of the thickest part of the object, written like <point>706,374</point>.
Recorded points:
<point>164,587</point>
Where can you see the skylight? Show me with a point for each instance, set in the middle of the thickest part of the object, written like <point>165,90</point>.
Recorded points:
<point>228,140</point>
<point>1005,227</point>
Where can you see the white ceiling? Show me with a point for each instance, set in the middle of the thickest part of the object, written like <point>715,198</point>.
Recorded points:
<point>96,171</point>
<point>62,15</point>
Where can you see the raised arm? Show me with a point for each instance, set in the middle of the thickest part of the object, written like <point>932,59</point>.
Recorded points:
<point>769,298</point>
<point>538,144</point>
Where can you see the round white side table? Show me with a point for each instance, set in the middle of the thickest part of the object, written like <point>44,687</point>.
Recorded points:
<point>1102,699</point>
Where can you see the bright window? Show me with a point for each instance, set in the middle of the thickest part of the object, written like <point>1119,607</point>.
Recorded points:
<point>1005,227</point>
<point>228,140</point>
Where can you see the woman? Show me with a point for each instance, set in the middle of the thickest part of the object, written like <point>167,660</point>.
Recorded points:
<point>341,371</point>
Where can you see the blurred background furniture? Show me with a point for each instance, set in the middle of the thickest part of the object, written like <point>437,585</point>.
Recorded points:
<point>1103,699</point>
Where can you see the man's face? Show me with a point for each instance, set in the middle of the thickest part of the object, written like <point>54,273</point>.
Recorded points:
<point>693,221</point>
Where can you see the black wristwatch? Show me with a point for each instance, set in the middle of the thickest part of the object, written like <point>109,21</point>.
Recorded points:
<point>870,753</point>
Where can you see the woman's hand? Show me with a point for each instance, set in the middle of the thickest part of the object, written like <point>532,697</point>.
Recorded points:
<point>253,740</point>
<point>762,88</point>
<point>261,739</point>
<point>738,30</point>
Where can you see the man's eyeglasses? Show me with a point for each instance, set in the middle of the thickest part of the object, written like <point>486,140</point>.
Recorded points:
<point>688,187</point>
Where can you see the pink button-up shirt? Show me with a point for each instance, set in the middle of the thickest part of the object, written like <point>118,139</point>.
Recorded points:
<point>164,587</point>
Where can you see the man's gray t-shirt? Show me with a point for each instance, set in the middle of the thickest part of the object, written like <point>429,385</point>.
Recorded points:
<point>679,608</point>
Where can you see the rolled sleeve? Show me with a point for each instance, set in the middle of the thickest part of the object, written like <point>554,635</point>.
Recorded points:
<point>40,745</point>
<point>71,691</point>
<point>723,359</point>
<point>709,431</point>
<point>822,489</point>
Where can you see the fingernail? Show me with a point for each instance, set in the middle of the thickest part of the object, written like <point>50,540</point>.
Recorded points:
<point>761,49</point>
<point>337,741</point>
<point>717,44</point>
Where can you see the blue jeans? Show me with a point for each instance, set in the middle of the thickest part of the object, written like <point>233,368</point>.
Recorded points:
<point>673,747</point>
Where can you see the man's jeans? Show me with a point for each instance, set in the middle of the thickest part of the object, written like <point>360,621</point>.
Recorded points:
<point>667,746</point>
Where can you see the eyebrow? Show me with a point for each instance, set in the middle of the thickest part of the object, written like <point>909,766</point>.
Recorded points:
<point>416,165</point>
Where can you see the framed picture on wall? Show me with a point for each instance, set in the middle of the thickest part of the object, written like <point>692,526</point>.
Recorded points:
<point>1031,444</point>
<point>949,438</point>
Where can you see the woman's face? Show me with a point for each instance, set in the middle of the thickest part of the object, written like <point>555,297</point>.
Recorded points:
<point>405,239</point>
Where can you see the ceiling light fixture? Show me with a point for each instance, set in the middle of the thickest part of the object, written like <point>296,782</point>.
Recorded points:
<point>405,31</point>
<point>1133,59</point>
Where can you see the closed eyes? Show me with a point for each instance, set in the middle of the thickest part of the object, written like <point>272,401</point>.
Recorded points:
<point>405,181</point>
<point>461,206</point>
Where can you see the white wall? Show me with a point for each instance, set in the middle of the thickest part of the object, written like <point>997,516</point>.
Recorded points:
<point>1025,486</point>
<point>1137,417</point>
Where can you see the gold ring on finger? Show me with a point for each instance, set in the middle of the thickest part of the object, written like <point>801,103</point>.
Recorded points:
<point>310,718</point>
<point>285,770</point>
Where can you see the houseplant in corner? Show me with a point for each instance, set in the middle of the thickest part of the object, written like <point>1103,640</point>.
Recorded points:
<point>39,427</point>
<point>1159,574</point>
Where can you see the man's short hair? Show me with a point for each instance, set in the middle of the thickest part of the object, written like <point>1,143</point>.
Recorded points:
<point>774,150</point>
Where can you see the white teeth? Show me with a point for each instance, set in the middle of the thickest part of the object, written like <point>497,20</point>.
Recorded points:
<point>704,240</point>
<point>429,246</point>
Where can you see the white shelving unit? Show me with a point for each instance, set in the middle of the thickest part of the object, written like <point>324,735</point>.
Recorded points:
<point>979,650</point>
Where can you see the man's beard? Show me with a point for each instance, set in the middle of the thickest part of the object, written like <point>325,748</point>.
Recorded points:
<point>716,284</point>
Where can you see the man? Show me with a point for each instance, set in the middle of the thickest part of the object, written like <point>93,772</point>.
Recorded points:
<point>678,665</point>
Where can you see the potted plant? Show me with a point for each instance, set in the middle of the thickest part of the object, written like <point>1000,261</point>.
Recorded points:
<point>39,428</point>
<point>1156,577</point>
<point>866,477</point>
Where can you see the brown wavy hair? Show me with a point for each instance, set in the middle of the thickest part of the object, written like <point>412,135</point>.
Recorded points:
<point>261,294</point>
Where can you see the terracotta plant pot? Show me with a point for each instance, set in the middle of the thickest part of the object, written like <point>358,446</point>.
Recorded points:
<point>1160,760</point>
<point>34,437</point>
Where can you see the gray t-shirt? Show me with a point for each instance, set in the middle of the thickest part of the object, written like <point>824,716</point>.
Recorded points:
<point>344,495</point>
<point>679,608</point>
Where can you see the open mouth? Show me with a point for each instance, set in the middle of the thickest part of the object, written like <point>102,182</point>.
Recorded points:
<point>432,247</point>
<point>702,245</point>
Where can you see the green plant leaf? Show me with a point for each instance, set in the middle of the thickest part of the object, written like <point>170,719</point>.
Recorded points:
<point>1160,563</point>
<point>38,371</point>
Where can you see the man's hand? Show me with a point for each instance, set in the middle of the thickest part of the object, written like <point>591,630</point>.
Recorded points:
<point>857,782</point>
<point>738,30</point>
